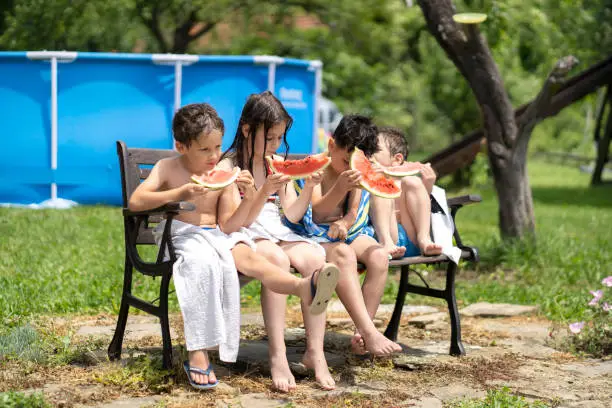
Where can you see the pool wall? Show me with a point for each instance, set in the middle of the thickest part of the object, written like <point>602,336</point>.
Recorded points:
<point>62,112</point>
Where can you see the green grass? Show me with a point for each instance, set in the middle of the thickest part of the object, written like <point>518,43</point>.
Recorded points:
<point>500,398</point>
<point>19,400</point>
<point>71,261</point>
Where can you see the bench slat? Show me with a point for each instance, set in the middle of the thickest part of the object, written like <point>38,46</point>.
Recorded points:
<point>149,156</point>
<point>414,260</point>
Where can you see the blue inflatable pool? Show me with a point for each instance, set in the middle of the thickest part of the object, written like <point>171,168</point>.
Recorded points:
<point>61,112</point>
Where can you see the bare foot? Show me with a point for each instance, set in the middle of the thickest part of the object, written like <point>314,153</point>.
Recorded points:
<point>429,248</point>
<point>282,379</point>
<point>379,345</point>
<point>316,361</point>
<point>358,345</point>
<point>395,252</point>
<point>199,359</point>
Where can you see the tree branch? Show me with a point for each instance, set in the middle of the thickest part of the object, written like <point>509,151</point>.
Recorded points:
<point>152,24</point>
<point>181,33</point>
<point>535,112</point>
<point>182,36</point>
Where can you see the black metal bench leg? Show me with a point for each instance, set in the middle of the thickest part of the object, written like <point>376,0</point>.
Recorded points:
<point>114,349</point>
<point>165,323</point>
<point>393,326</point>
<point>456,347</point>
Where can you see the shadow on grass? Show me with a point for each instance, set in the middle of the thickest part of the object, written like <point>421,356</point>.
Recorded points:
<point>600,196</point>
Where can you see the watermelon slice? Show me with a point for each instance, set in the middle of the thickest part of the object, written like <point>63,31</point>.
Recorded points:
<point>299,169</point>
<point>403,170</point>
<point>469,18</point>
<point>216,179</point>
<point>374,182</point>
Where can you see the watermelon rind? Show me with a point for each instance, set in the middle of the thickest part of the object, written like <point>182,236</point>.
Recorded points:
<point>218,186</point>
<point>469,18</point>
<point>323,155</point>
<point>364,184</point>
<point>396,171</point>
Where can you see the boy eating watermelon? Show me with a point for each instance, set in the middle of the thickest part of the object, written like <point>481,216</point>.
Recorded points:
<point>404,223</point>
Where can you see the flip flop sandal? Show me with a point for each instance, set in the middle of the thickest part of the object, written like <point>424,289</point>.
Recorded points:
<point>194,384</point>
<point>324,288</point>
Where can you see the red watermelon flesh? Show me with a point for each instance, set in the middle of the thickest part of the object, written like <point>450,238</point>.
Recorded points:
<point>404,169</point>
<point>371,180</point>
<point>217,179</point>
<point>298,169</point>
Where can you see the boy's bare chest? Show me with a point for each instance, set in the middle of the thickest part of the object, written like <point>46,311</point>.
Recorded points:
<point>204,204</point>
<point>327,183</point>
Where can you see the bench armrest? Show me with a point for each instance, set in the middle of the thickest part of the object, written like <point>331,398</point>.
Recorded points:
<point>463,200</point>
<point>172,207</point>
<point>455,203</point>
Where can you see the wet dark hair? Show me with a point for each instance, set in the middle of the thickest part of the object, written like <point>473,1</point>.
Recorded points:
<point>262,109</point>
<point>193,120</point>
<point>395,141</point>
<point>357,131</point>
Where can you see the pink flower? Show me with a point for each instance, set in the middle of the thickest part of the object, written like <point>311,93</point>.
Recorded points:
<point>576,327</point>
<point>607,281</point>
<point>598,294</point>
<point>606,307</point>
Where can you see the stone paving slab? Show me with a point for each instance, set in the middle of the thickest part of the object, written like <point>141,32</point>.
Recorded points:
<point>485,309</point>
<point>384,309</point>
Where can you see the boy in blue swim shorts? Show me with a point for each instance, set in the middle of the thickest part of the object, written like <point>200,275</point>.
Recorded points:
<point>402,225</point>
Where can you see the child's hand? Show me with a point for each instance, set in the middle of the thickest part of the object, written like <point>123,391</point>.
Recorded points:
<point>428,175</point>
<point>349,180</point>
<point>274,182</point>
<point>338,230</point>
<point>314,179</point>
<point>246,183</point>
<point>191,191</point>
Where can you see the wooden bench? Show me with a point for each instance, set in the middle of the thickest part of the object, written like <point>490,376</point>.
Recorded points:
<point>135,166</point>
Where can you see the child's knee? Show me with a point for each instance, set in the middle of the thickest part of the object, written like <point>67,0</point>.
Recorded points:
<point>377,259</point>
<point>342,255</point>
<point>411,183</point>
<point>308,261</point>
<point>275,256</point>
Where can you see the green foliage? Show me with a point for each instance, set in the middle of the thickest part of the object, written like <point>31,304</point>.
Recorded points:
<point>25,343</point>
<point>22,342</point>
<point>142,373</point>
<point>75,25</point>
<point>20,400</point>
<point>500,398</point>
<point>594,335</point>
<point>595,340</point>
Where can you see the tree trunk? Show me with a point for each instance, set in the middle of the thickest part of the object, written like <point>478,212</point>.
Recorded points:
<point>516,215</point>
<point>506,140</point>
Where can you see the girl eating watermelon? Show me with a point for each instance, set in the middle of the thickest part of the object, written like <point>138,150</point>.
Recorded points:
<point>262,128</point>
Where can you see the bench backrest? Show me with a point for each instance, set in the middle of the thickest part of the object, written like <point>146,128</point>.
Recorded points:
<point>135,165</point>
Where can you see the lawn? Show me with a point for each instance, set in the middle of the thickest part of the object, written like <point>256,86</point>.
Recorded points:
<point>71,261</point>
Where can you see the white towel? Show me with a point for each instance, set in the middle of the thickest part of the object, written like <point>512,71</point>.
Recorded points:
<point>443,227</point>
<point>268,225</point>
<point>207,286</point>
